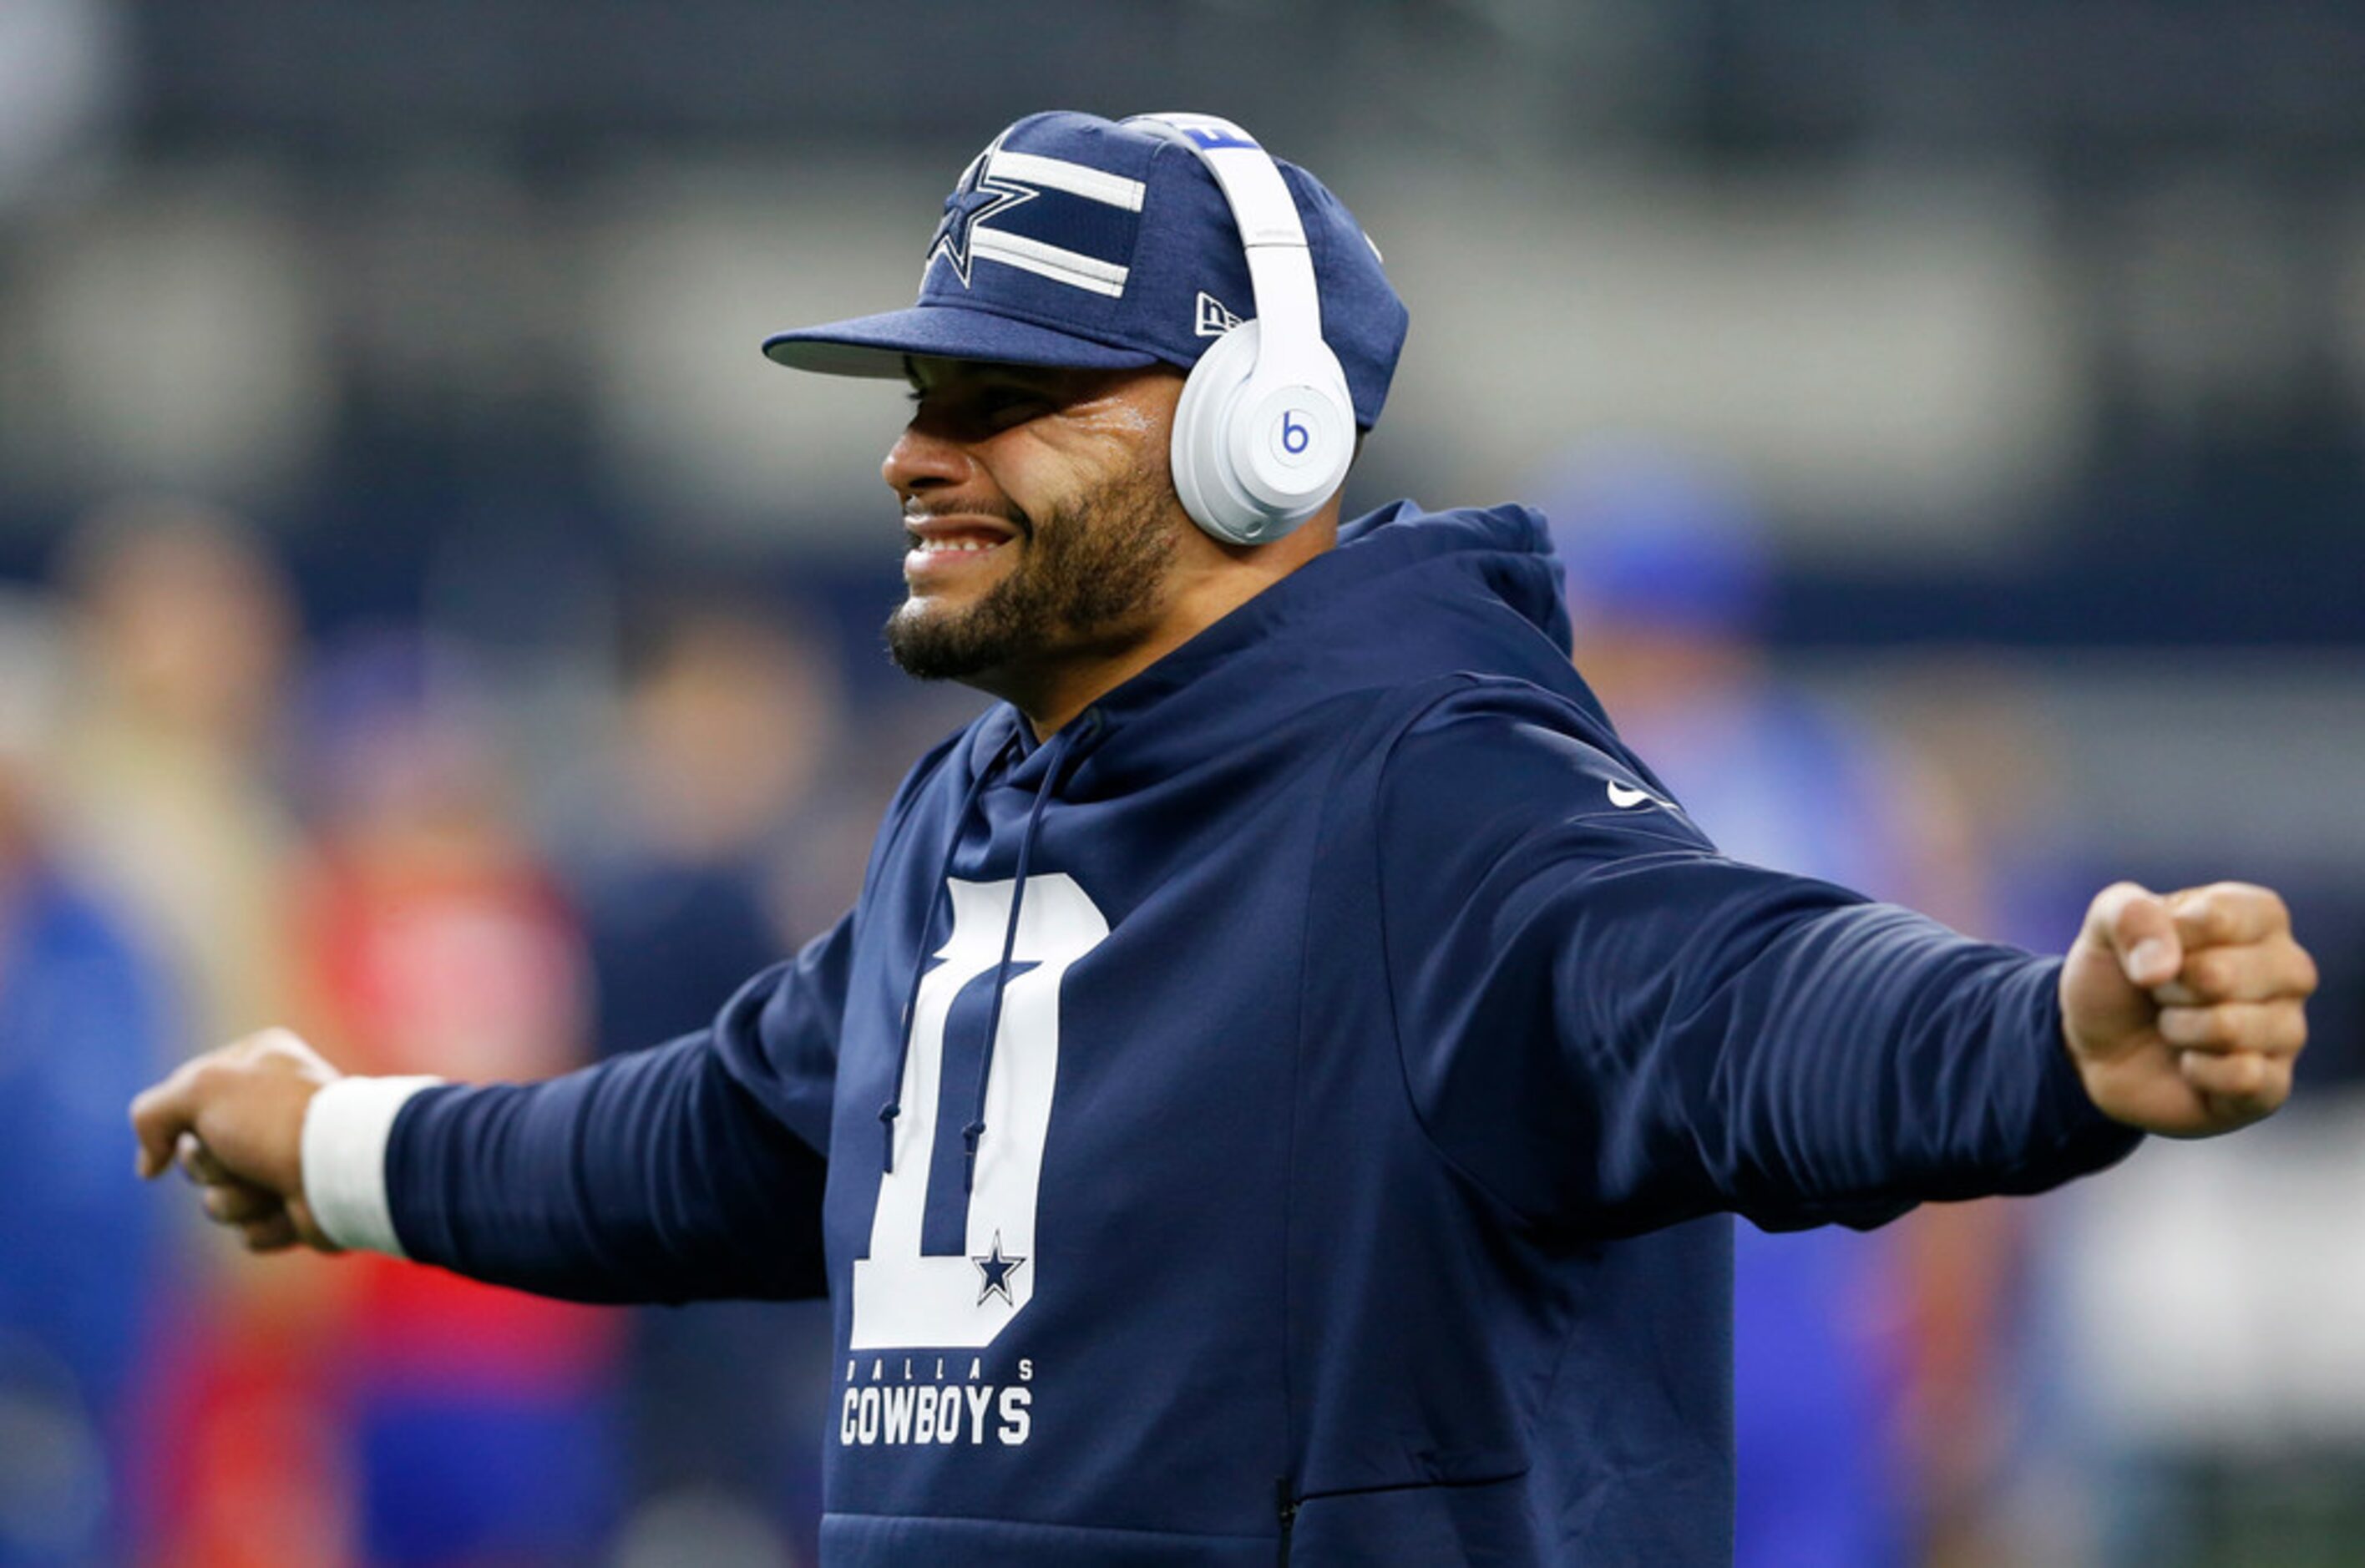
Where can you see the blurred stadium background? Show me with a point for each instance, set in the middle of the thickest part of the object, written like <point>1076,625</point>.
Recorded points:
<point>424,619</point>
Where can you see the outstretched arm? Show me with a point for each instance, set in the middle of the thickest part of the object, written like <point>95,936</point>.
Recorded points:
<point>652,1177</point>
<point>692,1170</point>
<point>1604,1020</point>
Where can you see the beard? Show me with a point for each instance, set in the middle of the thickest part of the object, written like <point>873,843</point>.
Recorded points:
<point>1089,569</point>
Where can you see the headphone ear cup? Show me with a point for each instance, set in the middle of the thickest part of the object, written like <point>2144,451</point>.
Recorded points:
<point>1210,492</point>
<point>1290,434</point>
<point>1254,456</point>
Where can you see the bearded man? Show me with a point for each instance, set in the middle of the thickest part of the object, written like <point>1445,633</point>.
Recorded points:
<point>1280,1089</point>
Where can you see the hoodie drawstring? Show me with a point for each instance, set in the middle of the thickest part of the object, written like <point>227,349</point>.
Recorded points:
<point>894,1105</point>
<point>975,1131</point>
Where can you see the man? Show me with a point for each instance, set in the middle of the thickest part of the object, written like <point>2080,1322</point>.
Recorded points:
<point>1251,1109</point>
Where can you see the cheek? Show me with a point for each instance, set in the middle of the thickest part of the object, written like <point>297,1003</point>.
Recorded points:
<point>1027,477</point>
<point>1131,424</point>
<point>1111,443</point>
<point>1122,435</point>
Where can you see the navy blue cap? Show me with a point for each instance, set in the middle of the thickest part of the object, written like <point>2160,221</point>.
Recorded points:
<point>1076,241</point>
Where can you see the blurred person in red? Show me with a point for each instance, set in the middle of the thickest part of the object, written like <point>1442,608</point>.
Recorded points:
<point>1865,1418</point>
<point>435,940</point>
<point>696,882</point>
<point>84,1275</point>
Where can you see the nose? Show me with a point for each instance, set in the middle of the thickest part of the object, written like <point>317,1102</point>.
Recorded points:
<point>922,460</point>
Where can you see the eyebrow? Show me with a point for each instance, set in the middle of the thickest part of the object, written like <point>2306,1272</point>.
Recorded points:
<point>1037,376</point>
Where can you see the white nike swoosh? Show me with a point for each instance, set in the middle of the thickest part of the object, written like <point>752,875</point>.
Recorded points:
<point>1624,797</point>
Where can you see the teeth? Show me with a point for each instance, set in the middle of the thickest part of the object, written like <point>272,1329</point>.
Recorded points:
<point>940,546</point>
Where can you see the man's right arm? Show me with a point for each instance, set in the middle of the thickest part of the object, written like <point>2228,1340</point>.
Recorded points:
<point>689,1172</point>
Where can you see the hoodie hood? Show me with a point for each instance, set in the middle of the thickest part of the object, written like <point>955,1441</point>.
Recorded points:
<point>1407,596</point>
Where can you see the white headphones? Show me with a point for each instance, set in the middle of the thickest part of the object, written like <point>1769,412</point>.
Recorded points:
<point>1266,428</point>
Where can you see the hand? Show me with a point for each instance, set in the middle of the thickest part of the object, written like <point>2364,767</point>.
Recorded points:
<point>2183,1011</point>
<point>233,1121</point>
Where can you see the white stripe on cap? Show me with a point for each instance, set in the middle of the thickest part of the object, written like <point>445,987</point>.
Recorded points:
<point>1058,175</point>
<point>1061,265</point>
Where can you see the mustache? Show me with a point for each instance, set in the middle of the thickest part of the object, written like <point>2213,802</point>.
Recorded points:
<point>918,511</point>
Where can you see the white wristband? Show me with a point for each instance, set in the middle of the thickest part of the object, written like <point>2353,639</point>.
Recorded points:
<point>345,1131</point>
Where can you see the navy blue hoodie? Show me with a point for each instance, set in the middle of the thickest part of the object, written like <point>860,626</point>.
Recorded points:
<point>1370,1036</point>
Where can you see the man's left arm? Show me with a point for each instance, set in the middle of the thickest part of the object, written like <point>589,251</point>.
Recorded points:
<point>1604,1019</point>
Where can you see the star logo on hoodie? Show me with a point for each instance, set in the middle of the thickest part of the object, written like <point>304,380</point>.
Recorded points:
<point>994,1271</point>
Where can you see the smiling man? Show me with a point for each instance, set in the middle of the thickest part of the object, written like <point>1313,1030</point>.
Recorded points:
<point>1050,558</point>
<point>1279,1089</point>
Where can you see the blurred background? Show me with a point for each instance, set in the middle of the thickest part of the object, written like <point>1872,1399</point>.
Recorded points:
<point>426,621</point>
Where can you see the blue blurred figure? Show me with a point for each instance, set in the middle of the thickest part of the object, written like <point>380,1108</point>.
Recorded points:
<point>725,721</point>
<point>1669,578</point>
<point>84,1020</point>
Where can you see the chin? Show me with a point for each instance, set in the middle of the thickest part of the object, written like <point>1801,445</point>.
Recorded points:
<point>930,608</point>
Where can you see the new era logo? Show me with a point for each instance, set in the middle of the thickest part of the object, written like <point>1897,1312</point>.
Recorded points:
<point>1214,320</point>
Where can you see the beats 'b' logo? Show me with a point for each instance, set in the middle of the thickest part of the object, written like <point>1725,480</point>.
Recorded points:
<point>1295,437</point>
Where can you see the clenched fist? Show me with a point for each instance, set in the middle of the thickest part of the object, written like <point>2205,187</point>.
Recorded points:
<point>234,1120</point>
<point>2183,1011</point>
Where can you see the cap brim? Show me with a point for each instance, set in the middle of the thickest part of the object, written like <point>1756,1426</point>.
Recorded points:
<point>877,345</point>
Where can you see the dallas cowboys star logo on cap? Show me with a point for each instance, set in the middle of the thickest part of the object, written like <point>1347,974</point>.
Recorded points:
<point>978,196</point>
<point>995,1270</point>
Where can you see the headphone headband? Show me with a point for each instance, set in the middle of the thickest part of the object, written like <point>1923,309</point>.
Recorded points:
<point>1261,201</point>
<point>1281,264</point>
<point>1266,427</point>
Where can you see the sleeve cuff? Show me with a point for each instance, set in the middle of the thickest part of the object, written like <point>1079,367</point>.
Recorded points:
<point>2081,1133</point>
<point>345,1132</point>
